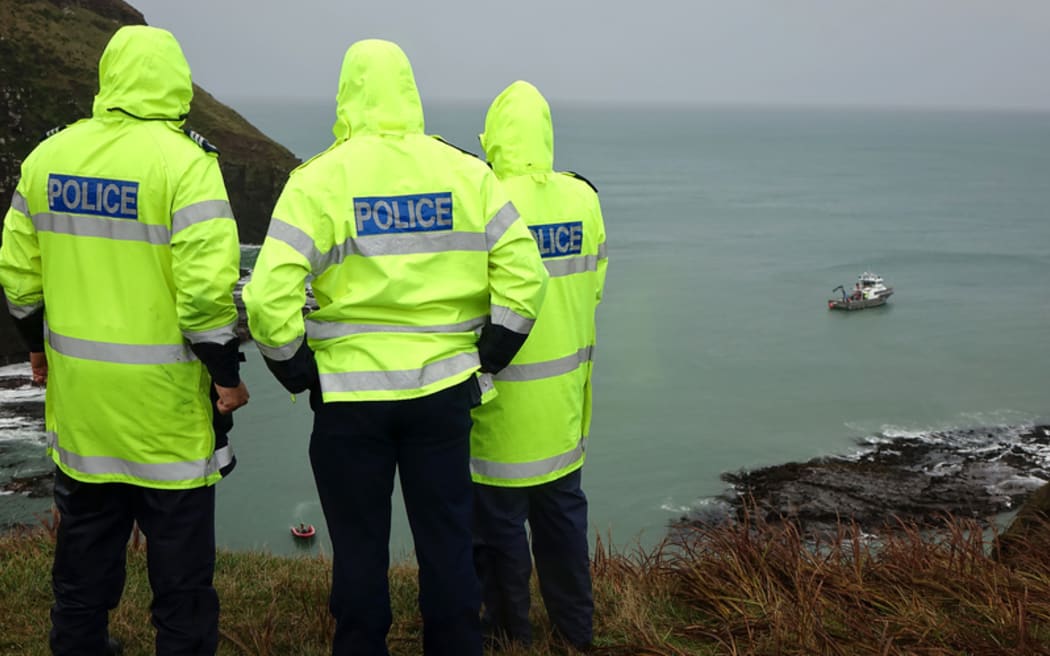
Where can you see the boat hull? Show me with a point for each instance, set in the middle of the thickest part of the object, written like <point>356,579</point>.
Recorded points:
<point>858,304</point>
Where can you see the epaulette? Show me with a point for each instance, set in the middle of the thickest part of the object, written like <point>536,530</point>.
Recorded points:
<point>199,139</point>
<point>452,145</point>
<point>52,132</point>
<point>580,177</point>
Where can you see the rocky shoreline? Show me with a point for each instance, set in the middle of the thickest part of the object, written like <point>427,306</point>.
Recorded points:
<point>978,473</point>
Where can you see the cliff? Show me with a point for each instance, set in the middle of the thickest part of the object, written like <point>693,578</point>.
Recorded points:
<point>49,52</point>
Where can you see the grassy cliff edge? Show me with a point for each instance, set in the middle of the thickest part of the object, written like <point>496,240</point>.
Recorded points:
<point>744,588</point>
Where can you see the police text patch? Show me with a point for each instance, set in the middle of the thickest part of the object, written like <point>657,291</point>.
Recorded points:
<point>116,199</point>
<point>382,215</point>
<point>557,239</point>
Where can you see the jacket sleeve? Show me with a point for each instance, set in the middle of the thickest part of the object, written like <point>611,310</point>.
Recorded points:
<point>517,280</point>
<point>603,255</point>
<point>602,267</point>
<point>275,296</point>
<point>205,262</point>
<point>20,272</point>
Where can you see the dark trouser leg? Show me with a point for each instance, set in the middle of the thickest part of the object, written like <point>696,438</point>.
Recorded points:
<point>503,561</point>
<point>434,463</point>
<point>90,554</point>
<point>353,460</point>
<point>179,526</point>
<point>558,518</point>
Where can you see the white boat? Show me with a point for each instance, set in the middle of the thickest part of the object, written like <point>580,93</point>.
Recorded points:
<point>869,291</point>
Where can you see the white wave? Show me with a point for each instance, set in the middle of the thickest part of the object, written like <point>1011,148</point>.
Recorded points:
<point>16,369</point>
<point>1018,484</point>
<point>967,436</point>
<point>21,394</point>
<point>13,423</point>
<point>669,506</point>
<point>22,434</point>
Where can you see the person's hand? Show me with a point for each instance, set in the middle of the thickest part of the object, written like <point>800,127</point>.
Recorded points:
<point>38,364</point>
<point>231,398</point>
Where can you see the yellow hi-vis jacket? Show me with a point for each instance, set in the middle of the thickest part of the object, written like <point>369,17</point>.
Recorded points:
<point>535,430</point>
<point>413,246</point>
<point>121,230</point>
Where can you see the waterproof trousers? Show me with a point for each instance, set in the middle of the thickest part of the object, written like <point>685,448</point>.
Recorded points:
<point>557,516</point>
<point>89,569</point>
<point>355,449</point>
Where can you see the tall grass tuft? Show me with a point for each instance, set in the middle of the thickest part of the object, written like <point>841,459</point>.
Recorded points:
<point>761,588</point>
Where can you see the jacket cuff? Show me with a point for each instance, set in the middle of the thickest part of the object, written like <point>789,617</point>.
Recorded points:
<point>222,361</point>
<point>497,346</point>
<point>298,373</point>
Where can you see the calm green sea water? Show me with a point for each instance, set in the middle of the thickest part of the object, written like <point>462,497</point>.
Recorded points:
<point>727,231</point>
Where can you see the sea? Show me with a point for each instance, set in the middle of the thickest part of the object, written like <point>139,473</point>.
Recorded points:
<point>728,228</point>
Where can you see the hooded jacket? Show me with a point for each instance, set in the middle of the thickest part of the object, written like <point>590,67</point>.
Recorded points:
<point>535,430</point>
<point>121,235</point>
<point>412,246</point>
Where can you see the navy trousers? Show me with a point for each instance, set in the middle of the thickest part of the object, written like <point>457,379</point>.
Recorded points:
<point>557,515</point>
<point>354,450</point>
<point>90,555</point>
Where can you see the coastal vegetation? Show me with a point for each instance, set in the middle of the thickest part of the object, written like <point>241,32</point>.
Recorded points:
<point>744,587</point>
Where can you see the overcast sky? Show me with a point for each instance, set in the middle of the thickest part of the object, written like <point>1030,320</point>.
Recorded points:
<point>929,53</point>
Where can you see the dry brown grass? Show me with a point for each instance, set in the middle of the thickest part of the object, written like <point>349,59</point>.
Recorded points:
<point>756,588</point>
<point>749,588</point>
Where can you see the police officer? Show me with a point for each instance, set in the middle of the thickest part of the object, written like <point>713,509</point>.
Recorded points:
<point>121,238</point>
<point>413,247</point>
<point>528,445</point>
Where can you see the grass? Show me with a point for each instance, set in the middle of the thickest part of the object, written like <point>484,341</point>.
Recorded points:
<point>747,588</point>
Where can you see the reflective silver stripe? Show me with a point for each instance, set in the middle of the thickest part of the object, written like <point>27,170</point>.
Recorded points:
<point>219,335</point>
<point>298,240</point>
<point>91,226</point>
<point>403,379</point>
<point>22,311</point>
<point>511,320</point>
<point>571,265</point>
<point>603,253</point>
<point>335,256</point>
<point>424,242</point>
<point>401,244</point>
<point>545,369</point>
<point>18,202</point>
<point>503,219</point>
<point>521,470</point>
<point>199,212</point>
<point>87,349</point>
<point>331,329</point>
<point>168,471</point>
<point>280,353</point>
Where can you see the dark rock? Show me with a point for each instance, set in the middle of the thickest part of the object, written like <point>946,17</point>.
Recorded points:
<point>15,381</point>
<point>1029,532</point>
<point>978,473</point>
<point>36,486</point>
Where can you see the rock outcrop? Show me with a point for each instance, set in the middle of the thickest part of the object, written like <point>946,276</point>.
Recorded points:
<point>978,473</point>
<point>49,51</point>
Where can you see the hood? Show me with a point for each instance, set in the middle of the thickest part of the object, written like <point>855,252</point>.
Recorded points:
<point>144,73</point>
<point>377,92</point>
<point>519,137</point>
